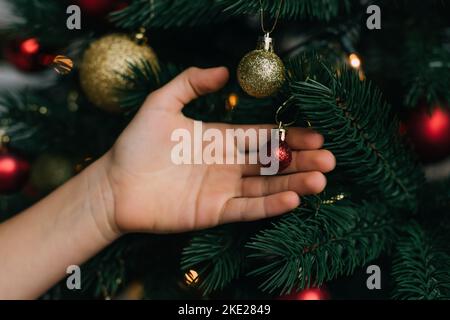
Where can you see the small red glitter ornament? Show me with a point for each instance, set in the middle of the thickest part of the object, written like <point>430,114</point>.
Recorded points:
<point>282,153</point>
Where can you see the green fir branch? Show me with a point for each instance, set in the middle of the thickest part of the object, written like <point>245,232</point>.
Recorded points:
<point>142,79</point>
<point>29,128</point>
<point>421,267</point>
<point>217,255</point>
<point>359,128</point>
<point>44,19</point>
<point>434,202</point>
<point>177,13</point>
<point>312,246</point>
<point>426,73</point>
<point>105,274</point>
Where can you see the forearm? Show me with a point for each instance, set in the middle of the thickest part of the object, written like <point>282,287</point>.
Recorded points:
<point>66,228</point>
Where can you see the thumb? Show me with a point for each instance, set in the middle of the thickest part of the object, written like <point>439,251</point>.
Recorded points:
<point>187,86</point>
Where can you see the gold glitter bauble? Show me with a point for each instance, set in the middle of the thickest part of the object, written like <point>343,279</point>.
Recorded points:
<point>261,73</point>
<point>104,65</point>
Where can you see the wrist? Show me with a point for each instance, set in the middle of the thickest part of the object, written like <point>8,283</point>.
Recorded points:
<point>101,198</point>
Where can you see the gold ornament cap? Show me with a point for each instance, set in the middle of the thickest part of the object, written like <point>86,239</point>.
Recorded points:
<point>265,43</point>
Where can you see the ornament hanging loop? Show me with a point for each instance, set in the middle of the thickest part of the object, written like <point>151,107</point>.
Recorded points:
<point>277,15</point>
<point>265,43</point>
<point>279,112</point>
<point>282,131</point>
<point>140,37</point>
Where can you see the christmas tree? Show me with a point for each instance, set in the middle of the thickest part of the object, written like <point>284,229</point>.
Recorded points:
<point>371,76</point>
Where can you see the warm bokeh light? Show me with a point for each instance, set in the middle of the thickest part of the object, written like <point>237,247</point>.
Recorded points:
<point>191,277</point>
<point>308,294</point>
<point>437,123</point>
<point>30,46</point>
<point>232,101</point>
<point>8,165</point>
<point>311,294</point>
<point>355,61</point>
<point>62,64</point>
<point>428,129</point>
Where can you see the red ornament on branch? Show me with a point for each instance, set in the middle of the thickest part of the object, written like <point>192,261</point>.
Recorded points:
<point>308,294</point>
<point>14,172</point>
<point>429,132</point>
<point>27,55</point>
<point>281,154</point>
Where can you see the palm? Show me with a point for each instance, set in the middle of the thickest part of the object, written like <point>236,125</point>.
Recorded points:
<point>153,193</point>
<point>193,195</point>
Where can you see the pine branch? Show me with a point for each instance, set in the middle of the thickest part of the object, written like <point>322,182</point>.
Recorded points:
<point>177,13</point>
<point>435,200</point>
<point>43,19</point>
<point>105,274</point>
<point>421,267</point>
<point>291,9</point>
<point>427,70</point>
<point>217,256</point>
<point>41,120</point>
<point>24,120</point>
<point>142,79</point>
<point>102,276</point>
<point>359,128</point>
<point>312,246</point>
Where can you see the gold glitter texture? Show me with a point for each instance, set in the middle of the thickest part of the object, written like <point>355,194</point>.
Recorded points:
<point>105,63</point>
<point>261,73</point>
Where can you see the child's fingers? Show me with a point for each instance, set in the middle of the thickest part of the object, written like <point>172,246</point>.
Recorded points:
<point>187,86</point>
<point>297,138</point>
<point>302,183</point>
<point>249,209</point>
<point>302,161</point>
<point>311,160</point>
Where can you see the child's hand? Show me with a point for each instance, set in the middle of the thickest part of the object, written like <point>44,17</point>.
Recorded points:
<point>145,191</point>
<point>137,187</point>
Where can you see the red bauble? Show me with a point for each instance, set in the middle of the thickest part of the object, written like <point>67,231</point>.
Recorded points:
<point>429,132</point>
<point>98,8</point>
<point>308,294</point>
<point>27,55</point>
<point>14,172</point>
<point>282,154</point>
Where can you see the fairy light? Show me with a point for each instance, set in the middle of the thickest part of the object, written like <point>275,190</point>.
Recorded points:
<point>191,277</point>
<point>43,110</point>
<point>30,46</point>
<point>354,60</point>
<point>4,138</point>
<point>232,101</point>
<point>62,64</point>
<point>334,199</point>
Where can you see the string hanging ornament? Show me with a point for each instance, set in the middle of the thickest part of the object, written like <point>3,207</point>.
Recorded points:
<point>261,73</point>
